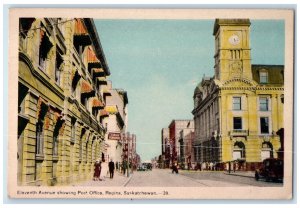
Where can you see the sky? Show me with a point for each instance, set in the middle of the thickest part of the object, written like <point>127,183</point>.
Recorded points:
<point>160,62</point>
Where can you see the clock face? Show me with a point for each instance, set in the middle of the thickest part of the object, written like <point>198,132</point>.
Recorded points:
<point>234,40</point>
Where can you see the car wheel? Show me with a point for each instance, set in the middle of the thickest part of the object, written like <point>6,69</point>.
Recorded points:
<point>256,176</point>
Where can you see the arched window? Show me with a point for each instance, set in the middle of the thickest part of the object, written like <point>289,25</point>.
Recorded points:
<point>238,151</point>
<point>80,143</point>
<point>266,150</point>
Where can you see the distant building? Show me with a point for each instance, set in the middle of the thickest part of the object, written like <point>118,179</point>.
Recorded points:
<point>186,141</point>
<point>238,111</point>
<point>129,150</point>
<point>175,128</point>
<point>165,148</point>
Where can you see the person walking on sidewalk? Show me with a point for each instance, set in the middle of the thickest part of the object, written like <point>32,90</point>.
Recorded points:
<point>111,167</point>
<point>97,170</point>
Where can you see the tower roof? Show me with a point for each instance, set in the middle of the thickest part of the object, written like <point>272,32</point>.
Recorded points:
<point>230,22</point>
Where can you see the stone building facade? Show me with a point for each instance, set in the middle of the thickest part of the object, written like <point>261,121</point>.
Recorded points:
<point>61,100</point>
<point>238,111</point>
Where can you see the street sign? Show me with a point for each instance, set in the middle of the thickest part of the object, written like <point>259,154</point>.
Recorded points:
<point>114,136</point>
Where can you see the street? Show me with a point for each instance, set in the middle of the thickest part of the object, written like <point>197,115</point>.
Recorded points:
<point>165,178</point>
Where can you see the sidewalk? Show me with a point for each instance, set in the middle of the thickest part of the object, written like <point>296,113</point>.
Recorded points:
<point>249,174</point>
<point>118,180</point>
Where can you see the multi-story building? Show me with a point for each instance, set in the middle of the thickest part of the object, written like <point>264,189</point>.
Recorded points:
<point>175,128</point>
<point>238,111</point>
<point>62,78</point>
<point>186,140</point>
<point>116,122</point>
<point>165,148</point>
<point>129,155</point>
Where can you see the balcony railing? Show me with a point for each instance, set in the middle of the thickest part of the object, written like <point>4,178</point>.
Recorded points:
<point>238,132</point>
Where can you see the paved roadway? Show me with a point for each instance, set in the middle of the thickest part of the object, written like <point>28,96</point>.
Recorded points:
<point>164,178</point>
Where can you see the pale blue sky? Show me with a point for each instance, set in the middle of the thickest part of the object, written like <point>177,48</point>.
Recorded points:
<point>160,62</point>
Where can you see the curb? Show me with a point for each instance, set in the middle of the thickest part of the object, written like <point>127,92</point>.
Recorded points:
<point>127,181</point>
<point>234,174</point>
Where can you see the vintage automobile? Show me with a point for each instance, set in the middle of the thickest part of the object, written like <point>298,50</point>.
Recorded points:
<point>271,169</point>
<point>141,168</point>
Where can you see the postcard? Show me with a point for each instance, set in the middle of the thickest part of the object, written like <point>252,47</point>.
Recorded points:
<point>151,103</point>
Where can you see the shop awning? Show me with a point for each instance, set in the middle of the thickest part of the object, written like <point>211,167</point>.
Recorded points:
<point>98,72</point>
<point>102,80</point>
<point>106,92</point>
<point>111,109</point>
<point>92,59</point>
<point>97,103</point>
<point>81,34</point>
<point>86,87</point>
<point>104,113</point>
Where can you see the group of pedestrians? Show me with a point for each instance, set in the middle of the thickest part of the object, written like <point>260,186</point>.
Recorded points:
<point>98,169</point>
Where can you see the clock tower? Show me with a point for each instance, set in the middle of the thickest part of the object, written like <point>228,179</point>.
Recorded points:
<point>232,49</point>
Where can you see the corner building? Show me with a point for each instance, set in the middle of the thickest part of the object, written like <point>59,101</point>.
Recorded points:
<point>239,110</point>
<point>61,100</point>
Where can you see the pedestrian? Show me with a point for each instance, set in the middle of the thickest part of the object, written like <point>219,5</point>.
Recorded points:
<point>229,167</point>
<point>174,168</point>
<point>234,166</point>
<point>124,166</point>
<point>111,167</point>
<point>104,170</point>
<point>97,170</point>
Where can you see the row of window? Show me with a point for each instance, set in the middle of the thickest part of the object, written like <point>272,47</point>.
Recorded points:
<point>264,124</point>
<point>263,103</point>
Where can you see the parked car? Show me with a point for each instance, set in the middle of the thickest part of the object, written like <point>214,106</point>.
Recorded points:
<point>141,168</point>
<point>271,169</point>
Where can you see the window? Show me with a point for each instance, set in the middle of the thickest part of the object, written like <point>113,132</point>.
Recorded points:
<point>237,123</point>
<point>87,150</point>
<point>266,151</point>
<point>264,125</point>
<point>80,144</point>
<point>55,145</point>
<point>84,101</point>
<point>236,103</point>
<point>58,67</point>
<point>57,128</point>
<point>95,112</point>
<point>73,121</point>
<point>263,77</point>
<point>263,104</point>
<point>39,138</point>
<point>44,49</point>
<point>238,151</point>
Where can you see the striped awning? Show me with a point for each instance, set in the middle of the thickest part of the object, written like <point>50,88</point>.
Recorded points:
<point>91,56</point>
<point>102,80</point>
<point>81,35</point>
<point>104,113</point>
<point>80,28</point>
<point>98,72</point>
<point>111,109</point>
<point>97,103</point>
<point>106,92</point>
<point>86,87</point>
